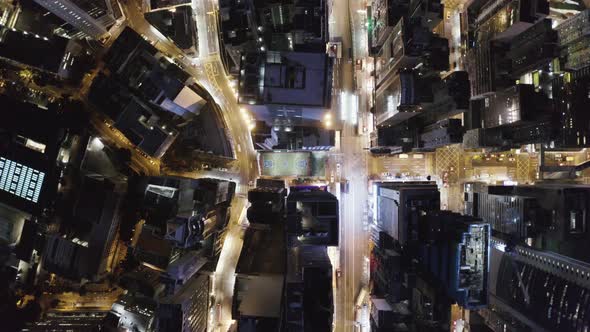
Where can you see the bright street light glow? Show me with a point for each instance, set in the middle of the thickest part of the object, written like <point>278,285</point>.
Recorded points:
<point>354,109</point>
<point>343,105</point>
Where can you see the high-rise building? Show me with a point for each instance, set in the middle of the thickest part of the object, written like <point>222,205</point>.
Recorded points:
<point>425,262</point>
<point>294,85</point>
<point>312,215</point>
<point>454,249</point>
<point>92,17</point>
<point>87,252</point>
<point>543,216</point>
<point>489,28</point>
<point>135,313</point>
<point>574,40</point>
<point>308,300</point>
<point>399,205</point>
<point>534,290</point>
<point>187,309</point>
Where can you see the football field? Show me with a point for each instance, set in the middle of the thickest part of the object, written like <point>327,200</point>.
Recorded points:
<point>296,164</point>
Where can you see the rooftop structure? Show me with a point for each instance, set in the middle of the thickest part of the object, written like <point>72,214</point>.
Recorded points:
<point>308,289</point>
<point>28,154</point>
<point>543,275</point>
<point>186,310</point>
<point>454,249</point>
<point>182,270</point>
<point>398,205</point>
<point>285,78</point>
<point>22,46</point>
<point>79,321</point>
<point>86,253</point>
<point>313,217</point>
<point>258,290</point>
<point>177,24</point>
<point>574,40</point>
<point>132,313</point>
<point>142,125</point>
<point>153,249</point>
<point>490,27</point>
<point>138,65</point>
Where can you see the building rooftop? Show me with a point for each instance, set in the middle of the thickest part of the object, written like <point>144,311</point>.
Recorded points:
<point>303,257</point>
<point>178,25</point>
<point>186,266</point>
<point>187,291</point>
<point>263,251</point>
<point>30,139</point>
<point>25,47</point>
<point>132,313</point>
<point>153,249</point>
<point>259,296</point>
<point>284,86</point>
<point>145,129</point>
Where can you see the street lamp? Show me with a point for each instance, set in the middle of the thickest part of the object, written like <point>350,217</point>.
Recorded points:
<point>328,120</point>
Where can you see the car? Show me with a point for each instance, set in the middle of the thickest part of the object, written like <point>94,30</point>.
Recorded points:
<point>359,64</point>
<point>205,166</point>
<point>222,169</point>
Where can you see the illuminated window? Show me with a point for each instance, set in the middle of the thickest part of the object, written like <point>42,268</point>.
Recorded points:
<point>20,180</point>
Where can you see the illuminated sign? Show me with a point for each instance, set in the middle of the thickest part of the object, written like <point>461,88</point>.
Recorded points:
<point>20,180</point>
<point>161,190</point>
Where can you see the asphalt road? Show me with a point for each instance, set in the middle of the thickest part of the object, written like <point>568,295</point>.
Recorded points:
<point>353,158</point>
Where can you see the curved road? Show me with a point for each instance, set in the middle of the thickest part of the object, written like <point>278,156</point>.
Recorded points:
<point>208,71</point>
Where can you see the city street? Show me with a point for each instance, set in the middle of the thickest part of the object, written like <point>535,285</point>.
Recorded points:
<point>418,165</point>
<point>209,73</point>
<point>353,234</point>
